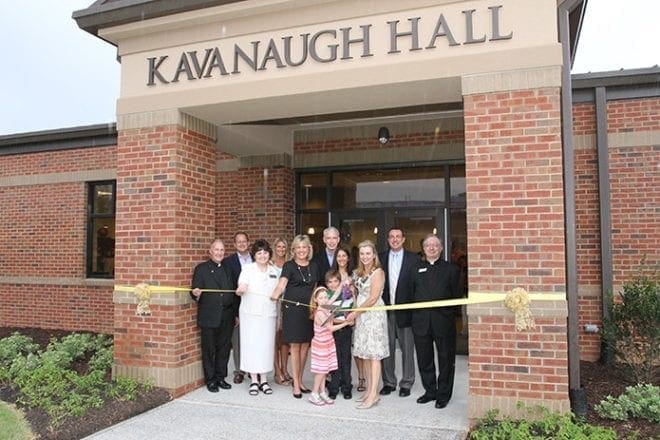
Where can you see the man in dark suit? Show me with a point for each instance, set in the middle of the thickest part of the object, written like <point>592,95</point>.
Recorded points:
<point>325,258</point>
<point>435,279</point>
<point>216,314</point>
<point>397,263</point>
<point>235,263</point>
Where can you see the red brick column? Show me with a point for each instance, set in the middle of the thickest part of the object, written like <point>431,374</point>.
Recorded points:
<point>515,217</point>
<point>166,180</point>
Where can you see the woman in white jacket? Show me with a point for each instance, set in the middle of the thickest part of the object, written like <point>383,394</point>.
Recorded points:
<point>258,315</point>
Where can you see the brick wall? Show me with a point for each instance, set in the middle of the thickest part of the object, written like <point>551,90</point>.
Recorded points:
<point>515,217</point>
<point>635,224</point>
<point>634,186</point>
<point>43,241</point>
<point>636,115</point>
<point>262,205</point>
<point>403,140</point>
<point>584,119</point>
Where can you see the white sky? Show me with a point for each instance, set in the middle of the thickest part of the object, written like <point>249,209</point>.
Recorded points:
<point>55,75</point>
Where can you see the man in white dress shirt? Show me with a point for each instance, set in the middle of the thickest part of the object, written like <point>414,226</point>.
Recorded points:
<point>397,263</point>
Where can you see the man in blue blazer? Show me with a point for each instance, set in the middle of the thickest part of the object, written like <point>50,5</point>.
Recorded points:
<point>397,263</point>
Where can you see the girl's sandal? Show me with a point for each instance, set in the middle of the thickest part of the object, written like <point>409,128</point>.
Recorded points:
<point>254,389</point>
<point>265,388</point>
<point>361,385</point>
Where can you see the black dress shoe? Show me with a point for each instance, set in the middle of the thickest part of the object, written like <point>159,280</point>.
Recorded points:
<point>297,396</point>
<point>404,392</point>
<point>223,384</point>
<point>212,387</point>
<point>440,404</point>
<point>425,398</point>
<point>386,390</point>
<point>332,395</point>
<point>348,395</point>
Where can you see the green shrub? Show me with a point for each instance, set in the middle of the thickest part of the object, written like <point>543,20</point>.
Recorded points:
<point>11,348</point>
<point>542,425</point>
<point>639,401</point>
<point>102,359</point>
<point>47,381</point>
<point>72,348</point>
<point>631,331</point>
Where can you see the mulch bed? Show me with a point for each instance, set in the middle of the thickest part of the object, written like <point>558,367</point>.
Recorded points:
<point>602,380</point>
<point>74,428</point>
<point>597,379</point>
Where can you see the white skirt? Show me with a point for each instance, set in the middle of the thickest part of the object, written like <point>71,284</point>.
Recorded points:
<point>257,343</point>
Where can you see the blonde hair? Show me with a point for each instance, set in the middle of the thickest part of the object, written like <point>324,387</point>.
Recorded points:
<point>304,240</point>
<point>361,269</point>
<point>313,302</point>
<point>286,245</point>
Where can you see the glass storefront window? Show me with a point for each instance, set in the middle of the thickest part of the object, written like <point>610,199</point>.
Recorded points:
<point>423,186</point>
<point>313,191</point>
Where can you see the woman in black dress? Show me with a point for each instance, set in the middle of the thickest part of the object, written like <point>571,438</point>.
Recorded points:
<point>299,278</point>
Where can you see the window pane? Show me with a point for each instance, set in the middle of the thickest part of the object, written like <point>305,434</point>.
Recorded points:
<point>313,226</point>
<point>424,186</point>
<point>103,247</point>
<point>313,190</point>
<point>458,245</point>
<point>102,199</point>
<point>457,184</point>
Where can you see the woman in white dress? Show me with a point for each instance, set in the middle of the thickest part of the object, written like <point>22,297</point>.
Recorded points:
<point>258,315</point>
<point>370,337</point>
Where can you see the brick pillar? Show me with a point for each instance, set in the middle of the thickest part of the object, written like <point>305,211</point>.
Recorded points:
<point>166,183</point>
<point>515,217</point>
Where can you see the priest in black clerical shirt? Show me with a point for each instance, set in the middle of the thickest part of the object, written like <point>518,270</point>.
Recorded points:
<point>216,315</point>
<point>432,279</point>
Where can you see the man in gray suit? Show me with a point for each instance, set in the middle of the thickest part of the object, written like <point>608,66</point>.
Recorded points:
<point>397,263</point>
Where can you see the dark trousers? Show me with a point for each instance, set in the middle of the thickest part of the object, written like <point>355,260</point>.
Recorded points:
<point>342,376</point>
<point>216,344</point>
<point>439,387</point>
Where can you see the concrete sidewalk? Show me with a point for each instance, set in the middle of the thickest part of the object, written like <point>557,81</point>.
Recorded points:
<point>234,414</point>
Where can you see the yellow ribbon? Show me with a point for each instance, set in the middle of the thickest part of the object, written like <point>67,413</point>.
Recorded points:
<point>168,289</point>
<point>473,298</point>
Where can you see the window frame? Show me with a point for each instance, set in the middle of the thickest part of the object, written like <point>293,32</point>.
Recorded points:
<point>91,217</point>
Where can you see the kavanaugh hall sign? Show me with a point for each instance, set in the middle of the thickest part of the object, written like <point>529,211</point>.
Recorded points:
<point>328,45</point>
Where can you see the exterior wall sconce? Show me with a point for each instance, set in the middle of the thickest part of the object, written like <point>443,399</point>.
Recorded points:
<point>311,231</point>
<point>383,135</point>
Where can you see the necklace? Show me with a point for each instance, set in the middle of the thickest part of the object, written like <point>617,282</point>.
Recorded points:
<point>305,278</point>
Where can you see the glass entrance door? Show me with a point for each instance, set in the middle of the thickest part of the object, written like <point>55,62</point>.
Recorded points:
<point>359,225</point>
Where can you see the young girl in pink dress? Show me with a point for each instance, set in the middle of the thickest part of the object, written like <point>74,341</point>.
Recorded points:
<point>324,352</point>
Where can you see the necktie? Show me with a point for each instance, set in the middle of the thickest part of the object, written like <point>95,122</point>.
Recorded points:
<point>394,276</point>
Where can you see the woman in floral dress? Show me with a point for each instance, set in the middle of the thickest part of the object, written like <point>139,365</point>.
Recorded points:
<point>370,340</point>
